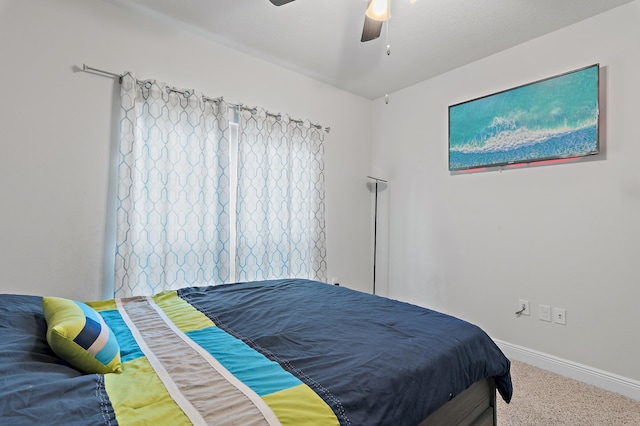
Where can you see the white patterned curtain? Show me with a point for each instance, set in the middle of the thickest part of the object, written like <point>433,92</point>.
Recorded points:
<point>173,193</point>
<point>280,199</point>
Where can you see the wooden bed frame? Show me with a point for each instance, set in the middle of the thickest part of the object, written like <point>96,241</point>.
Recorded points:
<point>476,406</point>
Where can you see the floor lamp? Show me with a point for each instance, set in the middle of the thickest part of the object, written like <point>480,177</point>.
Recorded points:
<point>375,224</point>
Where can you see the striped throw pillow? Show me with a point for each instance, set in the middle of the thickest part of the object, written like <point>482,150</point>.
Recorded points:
<point>79,335</point>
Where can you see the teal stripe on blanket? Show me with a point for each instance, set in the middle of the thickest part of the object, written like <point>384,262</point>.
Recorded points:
<point>129,349</point>
<point>263,376</point>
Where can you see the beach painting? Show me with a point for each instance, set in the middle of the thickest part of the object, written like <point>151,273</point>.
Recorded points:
<point>549,119</point>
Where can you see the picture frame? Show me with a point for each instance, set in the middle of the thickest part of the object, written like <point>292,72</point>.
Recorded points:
<point>549,119</point>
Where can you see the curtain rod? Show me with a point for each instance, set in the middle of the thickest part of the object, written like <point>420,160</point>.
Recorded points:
<point>187,93</point>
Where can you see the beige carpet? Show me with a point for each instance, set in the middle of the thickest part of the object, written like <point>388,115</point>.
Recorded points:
<point>543,398</point>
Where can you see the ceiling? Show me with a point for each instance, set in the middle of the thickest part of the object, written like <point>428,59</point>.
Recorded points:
<point>321,38</point>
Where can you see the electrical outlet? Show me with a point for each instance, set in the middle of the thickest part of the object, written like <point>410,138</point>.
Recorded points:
<point>544,312</point>
<point>559,316</point>
<point>523,307</point>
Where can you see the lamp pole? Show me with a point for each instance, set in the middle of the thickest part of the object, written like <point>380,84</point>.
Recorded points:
<point>375,228</point>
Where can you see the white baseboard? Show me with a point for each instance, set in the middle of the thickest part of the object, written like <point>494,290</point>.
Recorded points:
<point>598,378</point>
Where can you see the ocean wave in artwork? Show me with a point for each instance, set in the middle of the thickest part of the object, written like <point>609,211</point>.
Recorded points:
<point>504,135</point>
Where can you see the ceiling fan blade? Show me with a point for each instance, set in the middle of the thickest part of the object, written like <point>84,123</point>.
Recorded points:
<point>280,2</point>
<point>371,30</point>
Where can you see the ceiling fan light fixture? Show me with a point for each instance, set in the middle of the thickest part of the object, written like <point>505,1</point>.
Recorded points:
<point>379,10</point>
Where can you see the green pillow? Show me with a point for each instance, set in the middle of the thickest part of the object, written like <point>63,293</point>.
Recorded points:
<point>79,335</point>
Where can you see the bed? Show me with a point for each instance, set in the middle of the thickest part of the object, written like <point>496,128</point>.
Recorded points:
<point>290,352</point>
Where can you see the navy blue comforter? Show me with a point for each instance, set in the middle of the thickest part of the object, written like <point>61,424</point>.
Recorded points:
<point>375,361</point>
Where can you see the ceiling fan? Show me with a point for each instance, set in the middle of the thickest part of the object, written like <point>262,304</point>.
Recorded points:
<point>377,12</point>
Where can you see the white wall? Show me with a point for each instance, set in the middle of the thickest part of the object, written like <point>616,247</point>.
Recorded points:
<point>472,245</point>
<point>56,138</point>
<point>564,235</point>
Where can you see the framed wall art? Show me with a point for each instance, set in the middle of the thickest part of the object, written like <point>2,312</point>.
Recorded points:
<point>548,119</point>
